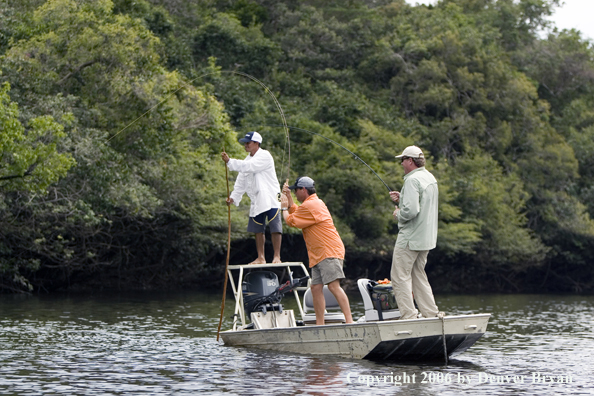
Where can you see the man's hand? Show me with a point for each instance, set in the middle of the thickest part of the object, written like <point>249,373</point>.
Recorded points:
<point>229,201</point>
<point>286,195</point>
<point>395,196</point>
<point>225,157</point>
<point>395,214</point>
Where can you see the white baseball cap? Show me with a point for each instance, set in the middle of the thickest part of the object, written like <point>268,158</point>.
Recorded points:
<point>411,152</point>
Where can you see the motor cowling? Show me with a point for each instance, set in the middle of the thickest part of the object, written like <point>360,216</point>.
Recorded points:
<point>257,289</point>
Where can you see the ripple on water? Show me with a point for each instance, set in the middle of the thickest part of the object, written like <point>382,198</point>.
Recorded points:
<point>144,345</point>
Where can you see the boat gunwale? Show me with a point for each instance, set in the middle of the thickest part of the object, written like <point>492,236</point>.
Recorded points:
<point>383,323</point>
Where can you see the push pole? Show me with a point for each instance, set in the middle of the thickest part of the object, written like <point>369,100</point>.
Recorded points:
<point>228,250</point>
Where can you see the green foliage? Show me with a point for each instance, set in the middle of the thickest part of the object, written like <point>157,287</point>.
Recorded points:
<point>494,202</point>
<point>339,108</point>
<point>118,111</point>
<point>249,13</point>
<point>457,234</point>
<point>563,68</point>
<point>234,46</point>
<point>29,157</point>
<point>141,177</point>
<point>29,161</point>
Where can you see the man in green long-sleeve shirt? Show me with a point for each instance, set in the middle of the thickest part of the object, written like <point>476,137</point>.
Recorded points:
<point>417,234</point>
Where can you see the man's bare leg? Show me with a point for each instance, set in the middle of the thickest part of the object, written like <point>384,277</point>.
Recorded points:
<point>277,239</point>
<point>260,249</point>
<point>317,292</point>
<point>341,298</point>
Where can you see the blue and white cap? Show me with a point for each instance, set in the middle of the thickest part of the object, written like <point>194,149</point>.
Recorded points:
<point>251,137</point>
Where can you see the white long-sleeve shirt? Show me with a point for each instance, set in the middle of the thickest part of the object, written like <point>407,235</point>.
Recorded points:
<point>257,178</point>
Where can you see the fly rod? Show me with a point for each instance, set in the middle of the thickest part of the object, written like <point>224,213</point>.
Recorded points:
<point>338,144</point>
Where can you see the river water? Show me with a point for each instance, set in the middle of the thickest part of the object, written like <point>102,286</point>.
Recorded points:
<point>165,344</point>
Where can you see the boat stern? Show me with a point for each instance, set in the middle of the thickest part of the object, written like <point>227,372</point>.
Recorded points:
<point>423,339</point>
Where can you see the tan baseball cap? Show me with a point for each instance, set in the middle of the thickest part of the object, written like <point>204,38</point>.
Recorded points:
<point>411,152</point>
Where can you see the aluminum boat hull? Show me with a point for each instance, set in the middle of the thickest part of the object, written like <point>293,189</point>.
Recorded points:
<point>391,340</point>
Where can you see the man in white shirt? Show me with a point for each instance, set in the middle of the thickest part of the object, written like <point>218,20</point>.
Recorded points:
<point>257,178</point>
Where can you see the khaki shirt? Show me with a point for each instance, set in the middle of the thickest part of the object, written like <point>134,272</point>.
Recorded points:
<point>417,218</point>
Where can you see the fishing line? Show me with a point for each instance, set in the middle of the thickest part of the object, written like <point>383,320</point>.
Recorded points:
<point>268,91</point>
<point>338,144</point>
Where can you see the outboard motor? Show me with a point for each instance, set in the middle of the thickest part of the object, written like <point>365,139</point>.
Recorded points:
<point>258,289</point>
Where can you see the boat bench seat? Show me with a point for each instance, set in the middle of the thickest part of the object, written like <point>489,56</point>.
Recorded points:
<point>333,314</point>
<point>371,310</point>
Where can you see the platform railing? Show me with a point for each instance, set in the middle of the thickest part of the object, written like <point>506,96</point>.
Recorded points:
<point>238,293</point>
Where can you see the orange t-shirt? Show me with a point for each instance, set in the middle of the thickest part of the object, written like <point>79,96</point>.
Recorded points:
<point>321,238</point>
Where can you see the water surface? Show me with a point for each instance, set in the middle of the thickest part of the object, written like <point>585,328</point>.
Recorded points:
<point>165,344</point>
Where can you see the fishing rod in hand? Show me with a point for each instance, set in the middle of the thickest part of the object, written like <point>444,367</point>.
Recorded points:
<point>338,144</point>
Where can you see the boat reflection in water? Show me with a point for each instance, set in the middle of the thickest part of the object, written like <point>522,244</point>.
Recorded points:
<point>378,335</point>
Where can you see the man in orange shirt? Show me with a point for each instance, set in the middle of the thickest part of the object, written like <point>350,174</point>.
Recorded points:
<point>324,246</point>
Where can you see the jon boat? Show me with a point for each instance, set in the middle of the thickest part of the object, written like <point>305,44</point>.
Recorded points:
<point>376,336</point>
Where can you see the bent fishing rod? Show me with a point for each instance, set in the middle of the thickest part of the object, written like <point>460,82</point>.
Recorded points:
<point>336,143</point>
<point>184,85</point>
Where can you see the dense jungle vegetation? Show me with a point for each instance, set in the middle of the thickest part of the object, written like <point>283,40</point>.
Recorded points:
<point>113,114</point>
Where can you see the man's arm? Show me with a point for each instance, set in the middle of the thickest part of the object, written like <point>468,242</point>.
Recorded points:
<point>296,216</point>
<point>299,217</point>
<point>285,206</point>
<point>287,194</point>
<point>261,161</point>
<point>409,202</point>
<point>239,188</point>
<point>286,201</point>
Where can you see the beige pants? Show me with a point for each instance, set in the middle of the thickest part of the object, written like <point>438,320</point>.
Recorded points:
<point>408,278</point>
